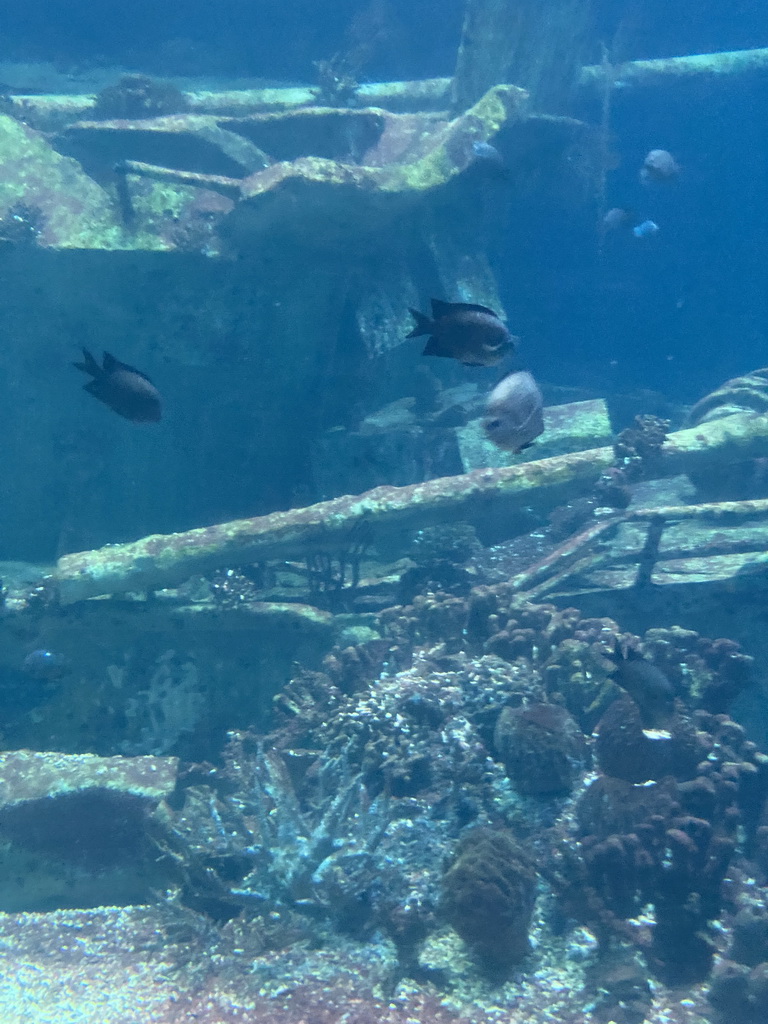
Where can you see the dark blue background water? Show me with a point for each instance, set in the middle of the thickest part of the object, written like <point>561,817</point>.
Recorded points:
<point>677,312</point>
<point>261,37</point>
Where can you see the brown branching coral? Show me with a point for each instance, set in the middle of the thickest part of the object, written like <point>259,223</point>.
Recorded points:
<point>336,81</point>
<point>669,844</point>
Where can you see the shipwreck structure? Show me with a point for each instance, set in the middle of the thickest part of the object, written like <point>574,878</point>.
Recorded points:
<point>231,239</point>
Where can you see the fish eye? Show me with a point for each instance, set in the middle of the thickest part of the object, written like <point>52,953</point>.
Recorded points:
<point>493,424</point>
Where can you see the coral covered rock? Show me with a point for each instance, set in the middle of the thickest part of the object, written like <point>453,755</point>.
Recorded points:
<point>138,96</point>
<point>542,747</point>
<point>488,897</point>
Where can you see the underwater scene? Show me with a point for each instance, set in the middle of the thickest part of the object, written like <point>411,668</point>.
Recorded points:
<point>384,504</point>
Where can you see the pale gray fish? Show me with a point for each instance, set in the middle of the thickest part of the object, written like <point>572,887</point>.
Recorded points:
<point>514,412</point>
<point>659,165</point>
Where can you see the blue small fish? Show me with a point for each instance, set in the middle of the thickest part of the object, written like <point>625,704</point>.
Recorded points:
<point>646,229</point>
<point>45,665</point>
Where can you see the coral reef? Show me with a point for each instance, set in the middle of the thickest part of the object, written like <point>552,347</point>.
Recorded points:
<point>671,844</point>
<point>466,718</point>
<point>624,993</point>
<point>739,984</point>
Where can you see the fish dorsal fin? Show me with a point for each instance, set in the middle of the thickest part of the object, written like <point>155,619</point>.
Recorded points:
<point>89,365</point>
<point>441,309</point>
<point>112,365</point>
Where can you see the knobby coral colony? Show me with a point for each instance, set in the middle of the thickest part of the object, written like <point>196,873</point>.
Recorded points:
<point>470,726</point>
<point>138,96</point>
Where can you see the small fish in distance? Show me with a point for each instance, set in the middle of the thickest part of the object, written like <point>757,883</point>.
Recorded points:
<point>616,218</point>
<point>646,229</point>
<point>514,412</point>
<point>659,166</point>
<point>126,390</point>
<point>474,335</point>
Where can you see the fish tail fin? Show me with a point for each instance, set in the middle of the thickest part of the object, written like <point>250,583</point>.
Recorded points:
<point>89,364</point>
<point>423,324</point>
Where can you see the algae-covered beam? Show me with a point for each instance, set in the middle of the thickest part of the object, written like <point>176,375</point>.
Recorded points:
<point>229,187</point>
<point>669,70</point>
<point>52,112</point>
<point>390,512</point>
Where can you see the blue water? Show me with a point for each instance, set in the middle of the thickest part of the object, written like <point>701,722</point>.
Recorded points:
<point>315,704</point>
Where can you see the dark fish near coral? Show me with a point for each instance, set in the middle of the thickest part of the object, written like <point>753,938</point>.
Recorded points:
<point>45,665</point>
<point>514,415</point>
<point>659,165</point>
<point>490,161</point>
<point>460,330</point>
<point>647,686</point>
<point>126,390</point>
